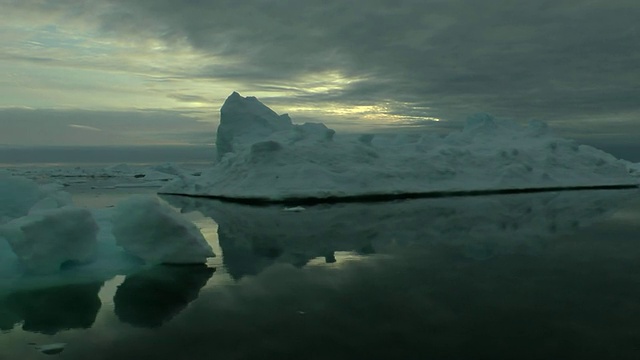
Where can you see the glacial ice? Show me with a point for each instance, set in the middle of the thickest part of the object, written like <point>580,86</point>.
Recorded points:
<point>41,227</point>
<point>264,156</point>
<point>157,234</point>
<point>46,239</point>
<point>41,231</point>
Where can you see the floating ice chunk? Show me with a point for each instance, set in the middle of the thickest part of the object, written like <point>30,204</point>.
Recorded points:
<point>158,234</point>
<point>168,168</point>
<point>294,209</point>
<point>46,239</point>
<point>118,169</point>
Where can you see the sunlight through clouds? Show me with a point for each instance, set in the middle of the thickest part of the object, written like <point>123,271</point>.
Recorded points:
<point>388,63</point>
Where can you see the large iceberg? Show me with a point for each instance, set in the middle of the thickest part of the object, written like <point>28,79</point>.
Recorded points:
<point>263,156</point>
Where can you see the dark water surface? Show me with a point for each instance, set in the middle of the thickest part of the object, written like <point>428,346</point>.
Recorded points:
<point>537,276</point>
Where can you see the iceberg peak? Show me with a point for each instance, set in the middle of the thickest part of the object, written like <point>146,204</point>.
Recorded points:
<point>244,119</point>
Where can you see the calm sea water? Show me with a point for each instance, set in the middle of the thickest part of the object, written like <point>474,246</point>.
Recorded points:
<point>553,275</point>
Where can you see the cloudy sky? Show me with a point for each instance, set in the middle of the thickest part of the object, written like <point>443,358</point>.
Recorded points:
<point>94,72</point>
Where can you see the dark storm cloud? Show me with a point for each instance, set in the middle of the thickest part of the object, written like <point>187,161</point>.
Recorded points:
<point>536,59</point>
<point>553,60</point>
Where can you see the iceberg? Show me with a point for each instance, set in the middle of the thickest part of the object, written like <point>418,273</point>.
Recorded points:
<point>42,229</point>
<point>263,156</point>
<point>157,234</point>
<point>47,239</point>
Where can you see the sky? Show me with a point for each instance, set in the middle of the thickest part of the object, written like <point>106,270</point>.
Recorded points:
<point>121,72</point>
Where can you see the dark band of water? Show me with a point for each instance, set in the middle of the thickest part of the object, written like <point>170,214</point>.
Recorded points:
<point>364,198</point>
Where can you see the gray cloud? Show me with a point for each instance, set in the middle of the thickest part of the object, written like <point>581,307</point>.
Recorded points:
<point>532,58</point>
<point>84,127</point>
<point>566,60</point>
<point>189,98</point>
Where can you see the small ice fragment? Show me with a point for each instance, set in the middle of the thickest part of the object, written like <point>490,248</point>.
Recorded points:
<point>51,349</point>
<point>294,209</point>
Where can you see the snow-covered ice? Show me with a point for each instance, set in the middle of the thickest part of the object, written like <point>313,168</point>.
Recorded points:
<point>41,227</point>
<point>46,239</point>
<point>156,233</point>
<point>263,155</point>
<point>41,230</point>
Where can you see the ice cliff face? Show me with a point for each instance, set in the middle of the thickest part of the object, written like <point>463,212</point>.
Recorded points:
<point>243,120</point>
<point>262,155</point>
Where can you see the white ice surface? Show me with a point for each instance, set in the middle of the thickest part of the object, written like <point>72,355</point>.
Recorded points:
<point>158,234</point>
<point>48,238</point>
<point>39,229</point>
<point>263,155</point>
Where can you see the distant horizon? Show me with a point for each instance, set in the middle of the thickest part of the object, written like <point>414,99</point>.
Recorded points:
<point>85,155</point>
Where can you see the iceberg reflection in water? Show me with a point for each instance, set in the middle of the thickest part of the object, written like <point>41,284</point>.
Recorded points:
<point>254,237</point>
<point>152,297</point>
<point>147,298</point>
<point>550,275</point>
<point>51,310</point>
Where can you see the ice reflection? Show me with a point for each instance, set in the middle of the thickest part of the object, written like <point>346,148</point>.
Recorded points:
<point>152,297</point>
<point>52,309</point>
<point>147,298</point>
<point>253,238</point>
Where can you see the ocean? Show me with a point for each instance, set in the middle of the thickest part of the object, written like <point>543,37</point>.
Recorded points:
<point>528,276</point>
